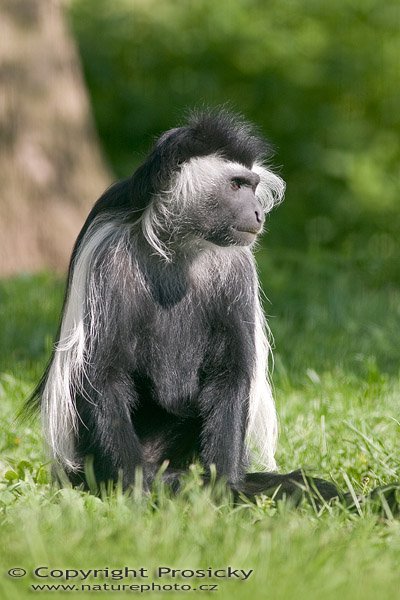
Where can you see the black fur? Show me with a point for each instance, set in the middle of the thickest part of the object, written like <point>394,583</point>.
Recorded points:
<point>169,370</point>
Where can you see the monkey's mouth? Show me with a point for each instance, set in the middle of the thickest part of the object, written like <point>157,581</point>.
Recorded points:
<point>251,230</point>
<point>243,236</point>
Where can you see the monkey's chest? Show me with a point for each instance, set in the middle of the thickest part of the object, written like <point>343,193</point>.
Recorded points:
<point>171,350</point>
<point>186,339</point>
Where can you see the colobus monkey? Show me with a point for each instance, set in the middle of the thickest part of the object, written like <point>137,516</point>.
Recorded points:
<point>162,348</point>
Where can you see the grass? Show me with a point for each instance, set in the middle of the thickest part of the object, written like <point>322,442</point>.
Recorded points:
<point>336,379</point>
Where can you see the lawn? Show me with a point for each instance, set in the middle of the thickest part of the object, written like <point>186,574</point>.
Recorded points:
<point>336,326</point>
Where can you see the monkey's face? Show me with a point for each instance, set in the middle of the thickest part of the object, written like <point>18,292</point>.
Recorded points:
<point>217,200</point>
<point>233,215</point>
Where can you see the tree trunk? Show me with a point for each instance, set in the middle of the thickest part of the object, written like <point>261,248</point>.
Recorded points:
<point>51,168</point>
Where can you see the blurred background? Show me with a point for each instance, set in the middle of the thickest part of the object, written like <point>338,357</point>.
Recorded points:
<point>86,85</point>
<point>320,79</point>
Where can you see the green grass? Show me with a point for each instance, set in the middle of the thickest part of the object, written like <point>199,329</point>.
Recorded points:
<point>336,380</point>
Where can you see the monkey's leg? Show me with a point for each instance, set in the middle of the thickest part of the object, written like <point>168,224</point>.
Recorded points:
<point>292,486</point>
<point>295,486</point>
<point>107,437</point>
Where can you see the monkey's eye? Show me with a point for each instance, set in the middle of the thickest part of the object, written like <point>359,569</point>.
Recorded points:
<point>236,183</point>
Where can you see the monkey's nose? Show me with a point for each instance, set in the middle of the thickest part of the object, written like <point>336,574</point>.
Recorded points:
<point>259,216</point>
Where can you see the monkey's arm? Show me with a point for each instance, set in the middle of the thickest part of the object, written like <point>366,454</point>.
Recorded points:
<point>223,409</point>
<point>224,397</point>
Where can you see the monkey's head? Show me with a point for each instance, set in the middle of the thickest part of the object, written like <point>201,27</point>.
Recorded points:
<point>207,182</point>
